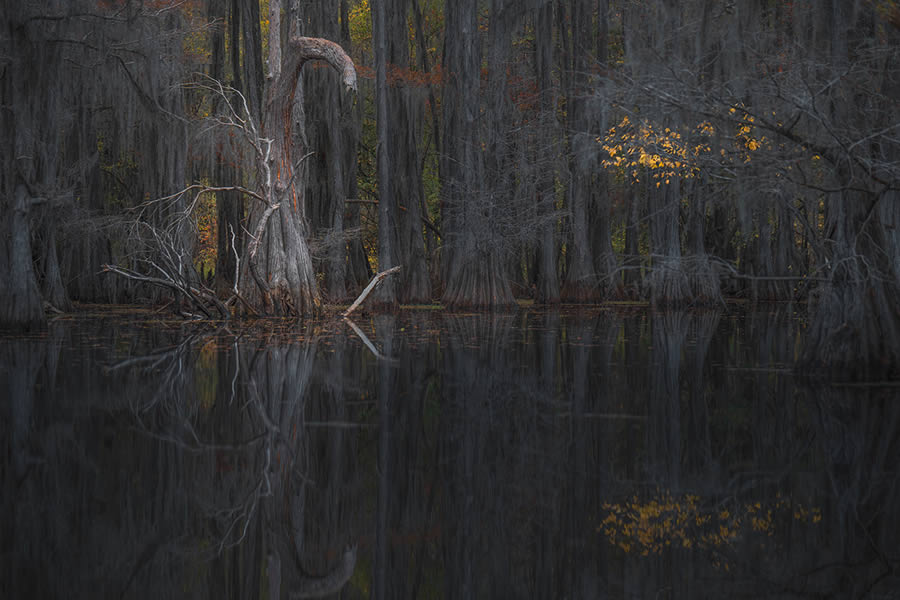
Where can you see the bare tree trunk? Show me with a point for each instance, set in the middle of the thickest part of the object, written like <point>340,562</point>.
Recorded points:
<point>229,204</point>
<point>20,299</point>
<point>855,327</point>
<point>601,210</point>
<point>279,278</point>
<point>581,280</point>
<point>545,194</point>
<point>53,287</point>
<point>632,263</point>
<point>667,281</point>
<point>332,124</point>
<point>406,105</point>
<point>386,296</point>
<point>474,266</point>
<point>703,280</point>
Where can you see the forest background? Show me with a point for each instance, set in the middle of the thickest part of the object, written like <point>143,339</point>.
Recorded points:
<point>244,158</point>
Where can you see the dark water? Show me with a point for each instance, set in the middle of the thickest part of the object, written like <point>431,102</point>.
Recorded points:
<point>536,455</point>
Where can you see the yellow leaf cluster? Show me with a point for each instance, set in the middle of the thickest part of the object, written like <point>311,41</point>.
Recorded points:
<point>746,135</point>
<point>662,152</point>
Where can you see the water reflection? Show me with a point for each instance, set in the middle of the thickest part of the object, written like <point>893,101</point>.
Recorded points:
<point>541,454</point>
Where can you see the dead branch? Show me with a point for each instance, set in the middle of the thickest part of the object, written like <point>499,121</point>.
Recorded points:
<point>196,295</point>
<point>369,288</point>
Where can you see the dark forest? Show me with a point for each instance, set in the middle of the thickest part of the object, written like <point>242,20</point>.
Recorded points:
<point>235,159</point>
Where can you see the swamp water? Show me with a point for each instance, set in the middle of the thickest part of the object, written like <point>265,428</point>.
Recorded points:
<point>589,454</point>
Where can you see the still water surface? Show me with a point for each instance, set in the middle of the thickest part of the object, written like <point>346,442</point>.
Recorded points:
<point>590,454</point>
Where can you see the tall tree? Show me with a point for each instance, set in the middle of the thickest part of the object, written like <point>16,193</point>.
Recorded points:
<point>545,193</point>
<point>581,283</point>
<point>332,134</point>
<point>20,117</point>
<point>279,275</point>
<point>226,165</point>
<point>387,211</point>
<point>855,330</point>
<point>473,252</point>
<point>406,107</point>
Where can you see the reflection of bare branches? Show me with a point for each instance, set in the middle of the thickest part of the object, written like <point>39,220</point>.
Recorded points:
<point>365,339</point>
<point>332,583</point>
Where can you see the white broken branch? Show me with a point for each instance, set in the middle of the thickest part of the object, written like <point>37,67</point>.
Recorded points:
<point>369,288</point>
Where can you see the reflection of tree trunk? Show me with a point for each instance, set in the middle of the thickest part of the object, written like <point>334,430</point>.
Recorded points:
<point>698,452</point>
<point>856,436</point>
<point>581,337</point>
<point>774,416</point>
<point>385,326</point>
<point>476,460</point>
<point>21,371</point>
<point>664,435</point>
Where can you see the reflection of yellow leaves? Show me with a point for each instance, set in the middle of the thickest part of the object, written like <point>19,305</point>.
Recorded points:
<point>663,521</point>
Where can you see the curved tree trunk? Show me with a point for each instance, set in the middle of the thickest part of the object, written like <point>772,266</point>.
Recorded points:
<point>279,277</point>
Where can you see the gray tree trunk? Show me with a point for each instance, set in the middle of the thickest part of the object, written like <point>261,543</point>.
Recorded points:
<point>406,106</point>
<point>20,299</point>
<point>386,295</point>
<point>581,283</point>
<point>474,264</point>
<point>279,278</point>
<point>545,193</point>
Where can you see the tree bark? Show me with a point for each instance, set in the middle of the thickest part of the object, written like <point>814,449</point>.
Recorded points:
<point>474,264</point>
<point>545,197</point>
<point>406,106</point>
<point>20,298</point>
<point>386,296</point>
<point>280,278</point>
<point>332,125</point>
<point>581,280</point>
